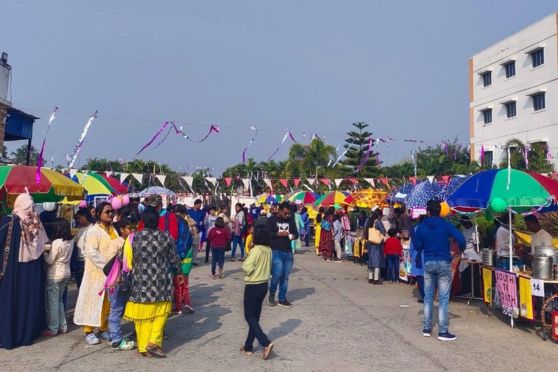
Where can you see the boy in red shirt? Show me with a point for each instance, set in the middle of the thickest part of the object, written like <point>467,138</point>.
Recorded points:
<point>218,238</point>
<point>393,251</point>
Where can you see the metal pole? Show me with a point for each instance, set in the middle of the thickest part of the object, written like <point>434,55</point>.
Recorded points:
<point>511,251</point>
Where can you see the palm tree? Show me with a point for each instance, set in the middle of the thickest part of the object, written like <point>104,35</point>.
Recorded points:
<point>304,160</point>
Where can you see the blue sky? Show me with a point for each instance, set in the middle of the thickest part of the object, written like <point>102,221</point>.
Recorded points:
<point>312,66</point>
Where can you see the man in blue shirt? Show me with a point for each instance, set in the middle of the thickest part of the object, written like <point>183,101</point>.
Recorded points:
<point>433,239</point>
<point>198,215</point>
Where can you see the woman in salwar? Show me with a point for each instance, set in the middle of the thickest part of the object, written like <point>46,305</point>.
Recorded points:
<point>101,243</point>
<point>153,260</point>
<point>22,275</point>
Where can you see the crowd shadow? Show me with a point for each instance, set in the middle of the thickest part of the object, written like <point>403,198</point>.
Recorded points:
<point>284,328</point>
<point>300,293</point>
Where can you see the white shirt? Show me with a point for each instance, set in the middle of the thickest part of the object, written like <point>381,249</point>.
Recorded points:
<point>503,242</point>
<point>540,239</point>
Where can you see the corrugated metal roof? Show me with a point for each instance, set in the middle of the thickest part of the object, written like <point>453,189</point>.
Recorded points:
<point>19,125</point>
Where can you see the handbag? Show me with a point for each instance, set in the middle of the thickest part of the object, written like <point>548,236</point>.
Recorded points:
<point>375,236</point>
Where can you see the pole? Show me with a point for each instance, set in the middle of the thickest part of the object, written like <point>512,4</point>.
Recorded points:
<point>511,251</point>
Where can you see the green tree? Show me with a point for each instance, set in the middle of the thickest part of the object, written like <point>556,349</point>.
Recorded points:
<point>19,156</point>
<point>357,143</point>
<point>536,154</point>
<point>307,160</point>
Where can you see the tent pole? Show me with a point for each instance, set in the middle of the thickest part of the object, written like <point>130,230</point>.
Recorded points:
<point>511,251</point>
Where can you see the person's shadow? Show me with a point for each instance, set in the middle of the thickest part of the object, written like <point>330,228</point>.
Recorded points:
<point>284,328</point>
<point>300,293</point>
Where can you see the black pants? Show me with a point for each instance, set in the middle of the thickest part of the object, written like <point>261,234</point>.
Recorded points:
<point>254,295</point>
<point>207,250</point>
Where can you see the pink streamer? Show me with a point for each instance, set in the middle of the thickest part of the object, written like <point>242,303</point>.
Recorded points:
<point>212,129</point>
<point>161,129</point>
<point>365,156</point>
<point>40,159</point>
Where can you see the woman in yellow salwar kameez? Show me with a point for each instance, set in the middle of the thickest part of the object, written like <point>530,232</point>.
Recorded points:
<point>318,229</point>
<point>153,260</point>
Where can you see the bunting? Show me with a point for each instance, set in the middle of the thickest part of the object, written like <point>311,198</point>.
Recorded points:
<point>371,182</point>
<point>40,159</point>
<point>228,181</point>
<point>123,177</point>
<point>288,134</point>
<point>161,178</point>
<point>310,181</point>
<point>430,179</point>
<point>296,182</point>
<point>247,183</point>
<point>138,177</point>
<point>338,181</point>
<point>267,181</point>
<point>284,182</point>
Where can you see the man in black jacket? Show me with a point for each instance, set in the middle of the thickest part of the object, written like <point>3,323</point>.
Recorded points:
<point>282,228</point>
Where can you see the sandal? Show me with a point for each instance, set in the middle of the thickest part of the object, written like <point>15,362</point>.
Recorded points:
<point>246,352</point>
<point>145,354</point>
<point>156,351</point>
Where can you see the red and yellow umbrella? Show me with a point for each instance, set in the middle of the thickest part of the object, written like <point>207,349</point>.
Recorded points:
<point>331,198</point>
<point>53,186</point>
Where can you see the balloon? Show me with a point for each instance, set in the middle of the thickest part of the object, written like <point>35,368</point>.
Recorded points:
<point>49,206</point>
<point>445,209</point>
<point>83,204</point>
<point>125,200</point>
<point>488,215</point>
<point>116,203</point>
<point>498,205</point>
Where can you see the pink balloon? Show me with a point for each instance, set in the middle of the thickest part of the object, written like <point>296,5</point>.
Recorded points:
<point>83,204</point>
<point>125,200</point>
<point>116,203</point>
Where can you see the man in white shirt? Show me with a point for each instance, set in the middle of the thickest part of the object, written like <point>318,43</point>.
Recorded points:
<point>503,237</point>
<point>539,237</point>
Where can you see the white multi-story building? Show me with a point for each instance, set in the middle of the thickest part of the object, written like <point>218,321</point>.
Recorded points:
<point>513,92</point>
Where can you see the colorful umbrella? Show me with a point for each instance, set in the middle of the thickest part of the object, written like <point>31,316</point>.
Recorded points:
<point>366,198</point>
<point>94,184</point>
<point>422,193</point>
<point>115,184</point>
<point>399,195</point>
<point>156,190</point>
<point>305,197</point>
<point>331,198</point>
<point>453,184</point>
<point>521,191</point>
<point>53,186</point>
<point>266,199</point>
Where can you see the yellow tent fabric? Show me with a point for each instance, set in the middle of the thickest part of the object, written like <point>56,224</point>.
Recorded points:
<point>62,185</point>
<point>525,238</point>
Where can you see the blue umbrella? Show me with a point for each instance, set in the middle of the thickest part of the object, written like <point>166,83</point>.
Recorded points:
<point>452,185</point>
<point>422,193</point>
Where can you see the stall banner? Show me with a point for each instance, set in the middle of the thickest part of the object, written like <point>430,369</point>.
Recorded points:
<point>537,287</point>
<point>506,286</point>
<point>487,284</point>
<point>525,298</point>
<point>405,265</point>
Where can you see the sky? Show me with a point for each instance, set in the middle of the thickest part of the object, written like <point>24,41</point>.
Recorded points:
<point>313,66</point>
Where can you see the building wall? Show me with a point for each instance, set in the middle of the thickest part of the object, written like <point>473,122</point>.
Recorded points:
<point>528,126</point>
<point>5,72</point>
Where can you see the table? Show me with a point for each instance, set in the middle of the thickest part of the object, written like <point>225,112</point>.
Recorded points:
<point>471,296</point>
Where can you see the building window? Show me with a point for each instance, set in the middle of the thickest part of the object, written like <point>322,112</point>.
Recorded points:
<point>511,111</point>
<point>486,78</point>
<point>537,57</point>
<point>510,69</point>
<point>538,101</point>
<point>487,116</point>
<point>488,159</point>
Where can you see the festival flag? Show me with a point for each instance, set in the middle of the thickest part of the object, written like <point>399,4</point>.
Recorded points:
<point>310,181</point>
<point>338,181</point>
<point>430,179</point>
<point>267,181</point>
<point>189,180</point>
<point>73,172</point>
<point>138,177</point>
<point>296,182</point>
<point>371,182</point>
<point>413,180</point>
<point>446,179</point>
<point>228,181</point>
<point>123,177</point>
<point>284,182</point>
<point>385,181</point>
<point>247,184</point>
<point>108,173</point>
<point>161,178</point>
<point>211,180</point>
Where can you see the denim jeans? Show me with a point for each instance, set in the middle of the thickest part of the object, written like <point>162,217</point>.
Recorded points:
<point>437,274</point>
<point>117,301</point>
<point>420,283</point>
<point>237,240</point>
<point>282,263</point>
<point>254,295</point>
<point>217,257</point>
<point>56,313</point>
<point>393,268</point>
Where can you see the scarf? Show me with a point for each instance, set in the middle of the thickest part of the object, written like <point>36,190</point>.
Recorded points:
<point>33,235</point>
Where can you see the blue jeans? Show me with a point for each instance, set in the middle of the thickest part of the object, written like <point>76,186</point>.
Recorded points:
<point>217,257</point>
<point>393,268</point>
<point>420,282</point>
<point>237,240</point>
<point>281,266</point>
<point>56,313</point>
<point>117,301</point>
<point>437,274</point>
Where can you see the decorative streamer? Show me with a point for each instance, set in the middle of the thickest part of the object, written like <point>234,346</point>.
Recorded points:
<point>365,156</point>
<point>414,159</point>
<point>40,159</point>
<point>526,156</point>
<point>82,139</point>
<point>179,131</point>
<point>249,144</point>
<point>340,157</point>
<point>287,135</point>
<point>482,155</point>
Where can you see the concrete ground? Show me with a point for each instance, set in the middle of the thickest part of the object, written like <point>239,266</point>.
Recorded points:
<point>338,322</point>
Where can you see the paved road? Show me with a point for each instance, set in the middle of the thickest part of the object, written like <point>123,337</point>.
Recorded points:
<point>339,322</point>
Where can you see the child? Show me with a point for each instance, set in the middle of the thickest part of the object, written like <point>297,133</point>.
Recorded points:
<point>218,237</point>
<point>209,224</point>
<point>117,295</point>
<point>337,237</point>
<point>182,301</point>
<point>393,251</point>
<point>257,268</point>
<point>58,275</point>
<point>249,240</point>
